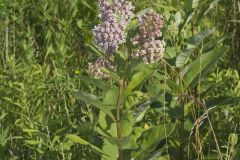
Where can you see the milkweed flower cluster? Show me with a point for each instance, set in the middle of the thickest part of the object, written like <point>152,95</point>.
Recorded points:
<point>151,49</point>
<point>115,18</point>
<point>108,35</point>
<point>100,63</point>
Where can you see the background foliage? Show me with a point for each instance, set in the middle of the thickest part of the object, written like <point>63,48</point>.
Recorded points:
<point>47,97</point>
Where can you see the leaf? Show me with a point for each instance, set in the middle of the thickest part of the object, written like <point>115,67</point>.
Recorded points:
<point>138,78</point>
<point>92,99</point>
<point>77,139</point>
<point>173,86</point>
<point>198,38</point>
<point>192,4</point>
<point>184,55</point>
<point>85,3</point>
<point>30,130</point>
<point>33,142</point>
<point>192,72</point>
<point>80,23</point>
<point>3,137</point>
<point>110,98</point>
<point>187,20</point>
<point>93,49</point>
<point>151,137</point>
<point>111,148</point>
<point>212,5</point>
<point>96,82</point>
<point>140,111</point>
<point>221,101</point>
<point>178,18</point>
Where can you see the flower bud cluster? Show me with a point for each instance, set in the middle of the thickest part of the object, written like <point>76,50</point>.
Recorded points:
<point>110,33</point>
<point>100,63</point>
<point>150,48</point>
<point>172,29</point>
<point>183,34</point>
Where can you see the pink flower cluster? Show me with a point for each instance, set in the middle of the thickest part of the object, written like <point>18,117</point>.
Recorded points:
<point>110,33</point>
<point>150,48</point>
<point>125,10</point>
<point>100,63</point>
<point>115,18</point>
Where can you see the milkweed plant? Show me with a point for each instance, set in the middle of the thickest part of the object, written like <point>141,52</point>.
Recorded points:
<point>134,48</point>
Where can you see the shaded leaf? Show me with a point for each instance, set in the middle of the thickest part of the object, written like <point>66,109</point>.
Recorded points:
<point>92,99</point>
<point>192,72</point>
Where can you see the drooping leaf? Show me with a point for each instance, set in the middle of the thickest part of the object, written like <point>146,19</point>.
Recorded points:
<point>211,6</point>
<point>92,99</point>
<point>151,137</point>
<point>96,82</point>
<point>187,20</point>
<point>198,38</point>
<point>79,140</point>
<point>194,41</point>
<point>183,56</point>
<point>192,72</point>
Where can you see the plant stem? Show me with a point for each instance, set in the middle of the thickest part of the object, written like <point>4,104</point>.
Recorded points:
<point>181,120</point>
<point>118,119</point>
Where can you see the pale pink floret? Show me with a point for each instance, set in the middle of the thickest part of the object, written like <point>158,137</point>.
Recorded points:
<point>150,48</point>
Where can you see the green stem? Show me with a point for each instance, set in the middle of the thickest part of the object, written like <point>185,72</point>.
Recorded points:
<point>118,119</point>
<point>181,120</point>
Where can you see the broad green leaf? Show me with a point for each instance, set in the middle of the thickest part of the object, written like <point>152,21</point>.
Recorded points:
<point>194,41</point>
<point>152,136</point>
<point>111,149</point>
<point>193,71</point>
<point>92,99</point>
<point>138,78</point>
<point>110,98</point>
<point>96,82</point>
<point>79,140</point>
<point>183,56</point>
<point>199,37</point>
<point>140,111</point>
<point>126,125</point>
<point>134,99</point>
<point>107,127</point>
